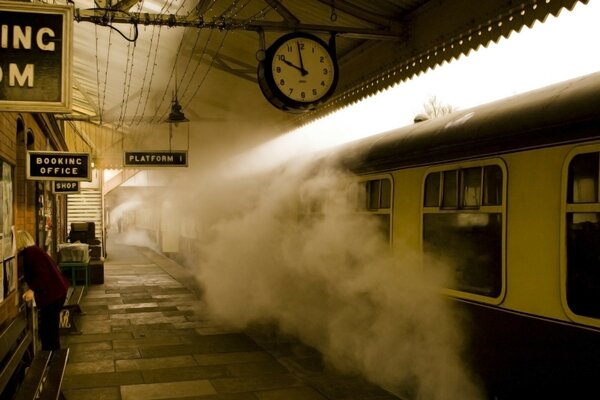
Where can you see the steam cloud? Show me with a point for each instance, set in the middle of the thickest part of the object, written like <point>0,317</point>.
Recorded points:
<point>326,276</point>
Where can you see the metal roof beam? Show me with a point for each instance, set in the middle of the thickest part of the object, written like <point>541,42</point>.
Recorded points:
<point>358,12</point>
<point>284,12</point>
<point>233,66</point>
<point>110,17</point>
<point>125,5</point>
<point>82,134</point>
<point>200,9</point>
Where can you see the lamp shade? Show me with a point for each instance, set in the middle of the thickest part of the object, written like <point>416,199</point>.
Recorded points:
<point>176,115</point>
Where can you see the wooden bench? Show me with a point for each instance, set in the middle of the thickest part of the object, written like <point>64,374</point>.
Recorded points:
<point>43,379</point>
<point>24,376</point>
<point>70,310</point>
<point>16,350</point>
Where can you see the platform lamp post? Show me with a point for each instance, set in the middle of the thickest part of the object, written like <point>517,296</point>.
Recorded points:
<point>176,116</point>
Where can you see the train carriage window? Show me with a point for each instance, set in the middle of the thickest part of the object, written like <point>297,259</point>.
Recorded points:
<point>471,187</point>
<point>378,194</point>
<point>583,179</point>
<point>373,194</point>
<point>492,185</point>
<point>432,190</point>
<point>450,189</point>
<point>583,236</point>
<point>465,232</point>
<point>385,201</point>
<point>375,197</point>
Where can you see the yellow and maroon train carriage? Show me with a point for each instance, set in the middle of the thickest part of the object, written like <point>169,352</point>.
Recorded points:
<point>507,195</point>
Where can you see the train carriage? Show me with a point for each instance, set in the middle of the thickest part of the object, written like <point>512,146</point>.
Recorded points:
<point>507,195</point>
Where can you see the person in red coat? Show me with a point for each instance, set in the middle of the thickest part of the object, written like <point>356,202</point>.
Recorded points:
<point>47,286</point>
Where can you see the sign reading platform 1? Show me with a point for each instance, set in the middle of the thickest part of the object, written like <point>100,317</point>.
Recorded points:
<point>155,159</point>
<point>35,57</point>
<point>58,166</point>
<point>65,187</point>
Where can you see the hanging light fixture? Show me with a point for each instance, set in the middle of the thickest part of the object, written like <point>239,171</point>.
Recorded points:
<point>176,115</point>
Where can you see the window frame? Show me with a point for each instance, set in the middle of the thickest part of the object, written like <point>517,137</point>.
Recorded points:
<point>481,209</point>
<point>362,180</point>
<point>567,208</point>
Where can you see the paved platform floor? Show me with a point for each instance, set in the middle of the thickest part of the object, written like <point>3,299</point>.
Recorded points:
<point>146,334</point>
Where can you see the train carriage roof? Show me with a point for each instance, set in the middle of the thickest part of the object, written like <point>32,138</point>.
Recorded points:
<point>561,113</point>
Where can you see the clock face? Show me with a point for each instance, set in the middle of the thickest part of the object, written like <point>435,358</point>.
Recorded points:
<point>299,71</point>
<point>303,69</point>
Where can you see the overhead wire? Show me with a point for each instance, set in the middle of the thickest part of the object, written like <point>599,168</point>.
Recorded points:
<point>125,95</point>
<point>106,73</point>
<point>231,11</point>
<point>125,102</point>
<point>156,117</point>
<point>145,91</point>
<point>151,76</point>
<point>209,68</point>
<point>192,52</point>
<point>141,96</point>
<point>261,14</point>
<point>100,102</point>
<point>164,9</point>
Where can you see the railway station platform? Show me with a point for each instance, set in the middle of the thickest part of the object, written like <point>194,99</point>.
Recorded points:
<point>146,334</point>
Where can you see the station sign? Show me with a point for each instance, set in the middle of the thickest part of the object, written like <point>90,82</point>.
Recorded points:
<point>58,166</point>
<point>65,187</point>
<point>155,159</point>
<point>35,57</point>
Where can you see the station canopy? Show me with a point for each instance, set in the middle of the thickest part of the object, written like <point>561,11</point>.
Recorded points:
<point>133,59</point>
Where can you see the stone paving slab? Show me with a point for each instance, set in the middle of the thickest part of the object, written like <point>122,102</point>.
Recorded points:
<point>99,355</point>
<point>234,396</point>
<point>145,342</point>
<point>168,390</point>
<point>298,393</point>
<point>155,363</point>
<point>185,374</point>
<point>102,379</point>
<point>270,367</point>
<point>90,367</point>
<point>255,383</point>
<point>203,344</point>
<point>232,358</point>
<point>147,335</point>
<point>103,393</point>
<point>336,386</point>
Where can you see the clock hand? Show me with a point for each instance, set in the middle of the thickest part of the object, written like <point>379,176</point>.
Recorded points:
<point>294,66</point>
<point>302,70</point>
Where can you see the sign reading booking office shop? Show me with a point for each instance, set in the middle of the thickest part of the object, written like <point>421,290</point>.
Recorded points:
<point>58,166</point>
<point>35,57</point>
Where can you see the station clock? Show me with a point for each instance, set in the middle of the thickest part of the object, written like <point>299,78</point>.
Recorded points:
<point>298,72</point>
